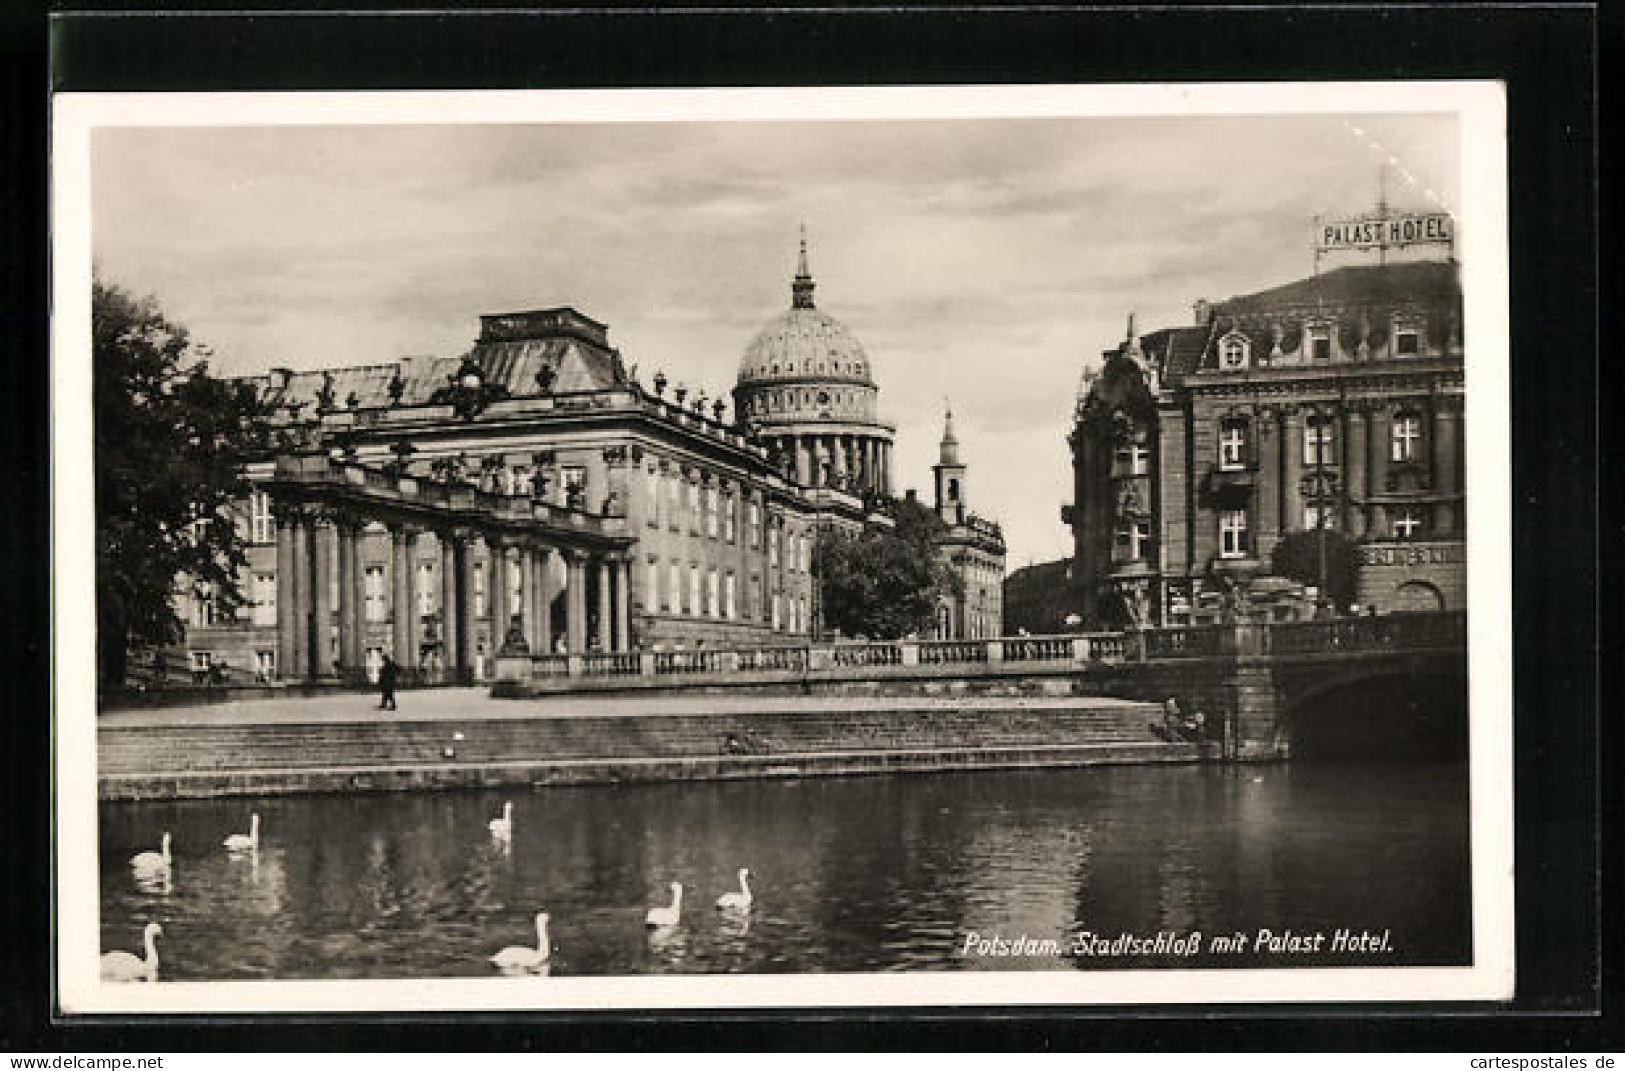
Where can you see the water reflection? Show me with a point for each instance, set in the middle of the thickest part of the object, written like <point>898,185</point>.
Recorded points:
<point>885,873</point>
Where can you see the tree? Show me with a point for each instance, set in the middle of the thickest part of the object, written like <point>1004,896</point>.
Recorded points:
<point>1297,557</point>
<point>170,441</point>
<point>883,583</point>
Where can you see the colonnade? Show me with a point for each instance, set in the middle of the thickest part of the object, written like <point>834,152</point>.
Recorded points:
<point>839,458</point>
<point>313,540</point>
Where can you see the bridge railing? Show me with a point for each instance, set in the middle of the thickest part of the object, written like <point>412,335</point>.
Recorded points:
<point>1445,628</point>
<point>1336,635</point>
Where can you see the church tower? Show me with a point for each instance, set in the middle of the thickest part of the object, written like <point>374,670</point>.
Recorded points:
<point>950,475</point>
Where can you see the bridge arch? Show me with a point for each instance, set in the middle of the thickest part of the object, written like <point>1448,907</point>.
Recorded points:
<point>1415,709</point>
<point>1418,595</point>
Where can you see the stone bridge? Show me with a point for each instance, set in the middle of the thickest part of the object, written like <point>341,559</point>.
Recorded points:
<point>1395,683</point>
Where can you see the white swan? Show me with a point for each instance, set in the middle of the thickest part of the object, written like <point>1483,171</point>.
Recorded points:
<point>125,967</point>
<point>152,865</point>
<point>502,828</point>
<point>519,957</point>
<point>245,842</point>
<point>667,916</point>
<point>741,900</point>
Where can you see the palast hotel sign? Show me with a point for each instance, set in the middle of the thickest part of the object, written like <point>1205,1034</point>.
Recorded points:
<point>1385,232</point>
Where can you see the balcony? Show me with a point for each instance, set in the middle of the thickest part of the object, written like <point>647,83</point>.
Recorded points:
<point>1228,488</point>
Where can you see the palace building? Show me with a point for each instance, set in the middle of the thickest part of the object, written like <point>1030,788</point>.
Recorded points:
<point>1332,402</point>
<point>534,495</point>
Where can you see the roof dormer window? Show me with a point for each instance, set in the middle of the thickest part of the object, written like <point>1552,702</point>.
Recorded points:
<point>1233,352</point>
<point>1320,342</point>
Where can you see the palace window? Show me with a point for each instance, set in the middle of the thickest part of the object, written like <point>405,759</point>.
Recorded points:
<point>1408,522</point>
<point>711,512</point>
<point>1233,533</point>
<point>728,609</point>
<point>1320,343</point>
<point>1319,515</point>
<point>694,590</point>
<point>1131,457</point>
<point>755,525</point>
<point>1132,537</point>
<point>373,587</point>
<point>1233,352</point>
<point>1407,342</point>
<point>201,661</point>
<point>794,607</point>
<point>674,589</point>
<point>693,509</point>
<point>713,601</point>
<point>651,585</point>
<point>425,588</point>
<point>730,507</point>
<point>261,528</point>
<point>479,591</point>
<point>265,665</point>
<point>573,478</point>
<point>264,599</point>
<point>777,624</point>
<point>773,546</point>
<point>1233,443</point>
<point>1317,442</point>
<point>1405,437</point>
<point>754,607</point>
<point>806,554</point>
<point>652,486</point>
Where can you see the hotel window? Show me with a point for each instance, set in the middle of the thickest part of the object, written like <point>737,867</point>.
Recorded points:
<point>1233,533</point>
<point>261,528</point>
<point>1131,456</point>
<point>1408,522</point>
<point>694,590</point>
<point>1233,352</point>
<point>1132,537</point>
<point>1320,343</point>
<point>651,586</point>
<point>674,590</point>
<point>1233,443</point>
<point>1317,442</point>
<point>728,610</point>
<point>373,587</point>
<point>264,599</point>
<point>1405,437</point>
<point>1319,514</point>
<point>755,526</point>
<point>713,600</point>
<point>1407,342</point>
<point>426,588</point>
<point>711,512</point>
<point>651,482</point>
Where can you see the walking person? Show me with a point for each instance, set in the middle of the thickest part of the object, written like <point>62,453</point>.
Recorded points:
<point>386,683</point>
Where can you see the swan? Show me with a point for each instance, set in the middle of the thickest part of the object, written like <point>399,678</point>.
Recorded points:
<point>519,957</point>
<point>245,842</point>
<point>503,827</point>
<point>741,900</point>
<point>152,864</point>
<point>667,916</point>
<point>124,967</point>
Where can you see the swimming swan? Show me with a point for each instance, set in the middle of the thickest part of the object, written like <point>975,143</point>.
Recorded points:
<point>503,827</point>
<point>667,916</point>
<point>124,967</point>
<point>245,842</point>
<point>152,864</point>
<point>741,900</point>
<point>519,957</point>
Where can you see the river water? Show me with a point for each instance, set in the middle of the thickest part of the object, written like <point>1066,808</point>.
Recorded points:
<point>907,872</point>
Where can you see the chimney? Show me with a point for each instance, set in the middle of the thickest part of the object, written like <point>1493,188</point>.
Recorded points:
<point>280,377</point>
<point>1202,309</point>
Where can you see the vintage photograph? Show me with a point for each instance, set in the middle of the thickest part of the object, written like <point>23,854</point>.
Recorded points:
<point>570,550</point>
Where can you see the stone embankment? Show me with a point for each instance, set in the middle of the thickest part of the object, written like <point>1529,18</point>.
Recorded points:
<point>455,738</point>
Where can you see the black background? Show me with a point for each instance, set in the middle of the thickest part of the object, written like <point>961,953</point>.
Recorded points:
<point>1547,56</point>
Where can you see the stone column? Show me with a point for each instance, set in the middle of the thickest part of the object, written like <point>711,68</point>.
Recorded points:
<point>497,586</point>
<point>470,624</point>
<point>803,462</point>
<point>837,447</point>
<point>575,625</point>
<point>1357,462</point>
<point>1446,414</point>
<point>321,644</point>
<point>544,601</point>
<point>450,603</point>
<point>349,630</point>
<point>1291,469</point>
<point>288,610</point>
<point>885,468</point>
<point>604,622</point>
<point>302,593</point>
<point>1344,453</point>
<point>1267,453</point>
<point>403,611</point>
<point>1376,526</point>
<point>623,604</point>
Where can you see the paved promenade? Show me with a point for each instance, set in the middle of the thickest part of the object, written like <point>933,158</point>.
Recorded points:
<point>465,704</point>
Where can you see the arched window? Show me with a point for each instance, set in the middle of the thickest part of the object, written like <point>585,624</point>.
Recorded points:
<point>1233,352</point>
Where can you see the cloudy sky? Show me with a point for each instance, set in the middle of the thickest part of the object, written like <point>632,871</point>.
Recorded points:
<point>978,260</point>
